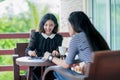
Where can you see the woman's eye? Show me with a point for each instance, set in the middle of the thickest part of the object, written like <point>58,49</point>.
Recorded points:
<point>45,24</point>
<point>51,24</point>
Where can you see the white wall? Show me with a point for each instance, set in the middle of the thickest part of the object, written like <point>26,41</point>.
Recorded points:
<point>66,7</point>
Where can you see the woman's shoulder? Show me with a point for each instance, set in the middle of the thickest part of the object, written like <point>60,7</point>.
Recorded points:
<point>81,34</point>
<point>58,35</point>
<point>36,34</point>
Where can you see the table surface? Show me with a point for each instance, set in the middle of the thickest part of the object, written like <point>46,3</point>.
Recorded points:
<point>28,61</point>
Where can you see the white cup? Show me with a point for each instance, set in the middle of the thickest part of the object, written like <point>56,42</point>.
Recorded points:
<point>62,50</point>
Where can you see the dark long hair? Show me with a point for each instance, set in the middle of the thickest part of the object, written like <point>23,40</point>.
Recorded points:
<point>46,17</point>
<point>80,22</point>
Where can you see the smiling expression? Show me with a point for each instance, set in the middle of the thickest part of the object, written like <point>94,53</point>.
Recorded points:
<point>48,27</point>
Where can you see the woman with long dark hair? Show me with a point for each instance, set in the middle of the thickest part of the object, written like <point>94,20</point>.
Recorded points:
<point>85,39</point>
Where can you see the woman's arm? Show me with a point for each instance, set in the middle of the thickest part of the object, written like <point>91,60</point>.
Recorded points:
<point>31,45</point>
<point>60,62</point>
<point>56,60</point>
<point>59,40</point>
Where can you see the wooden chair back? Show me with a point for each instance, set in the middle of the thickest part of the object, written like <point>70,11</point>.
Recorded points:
<point>19,52</point>
<point>105,66</point>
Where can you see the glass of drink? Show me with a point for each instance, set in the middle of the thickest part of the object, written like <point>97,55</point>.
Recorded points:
<point>62,51</point>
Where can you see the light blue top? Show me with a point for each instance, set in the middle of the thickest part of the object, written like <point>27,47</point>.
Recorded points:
<point>80,46</point>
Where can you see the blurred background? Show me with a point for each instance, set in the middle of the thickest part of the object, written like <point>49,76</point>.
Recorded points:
<point>21,16</point>
<point>24,15</point>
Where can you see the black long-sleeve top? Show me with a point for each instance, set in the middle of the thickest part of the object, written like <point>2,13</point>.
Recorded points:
<point>40,43</point>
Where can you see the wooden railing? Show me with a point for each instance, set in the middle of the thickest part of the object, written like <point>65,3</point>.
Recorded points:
<point>11,51</point>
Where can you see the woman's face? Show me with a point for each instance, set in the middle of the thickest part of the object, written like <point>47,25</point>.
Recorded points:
<point>48,27</point>
<point>71,30</point>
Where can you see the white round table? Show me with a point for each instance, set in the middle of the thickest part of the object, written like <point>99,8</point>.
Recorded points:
<point>28,61</point>
<point>31,62</point>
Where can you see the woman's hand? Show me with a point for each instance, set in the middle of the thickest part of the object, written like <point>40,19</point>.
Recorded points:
<point>78,67</point>
<point>32,53</point>
<point>55,53</point>
<point>46,55</point>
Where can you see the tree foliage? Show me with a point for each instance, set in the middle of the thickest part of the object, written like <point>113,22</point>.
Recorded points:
<point>22,22</point>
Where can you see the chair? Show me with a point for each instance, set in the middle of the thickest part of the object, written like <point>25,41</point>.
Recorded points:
<point>106,66</point>
<point>19,52</point>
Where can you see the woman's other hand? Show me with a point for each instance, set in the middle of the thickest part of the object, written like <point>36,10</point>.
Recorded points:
<point>78,67</point>
<point>32,53</point>
<point>55,53</point>
<point>46,55</point>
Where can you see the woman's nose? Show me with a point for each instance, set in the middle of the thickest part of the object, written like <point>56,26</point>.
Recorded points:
<point>48,27</point>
